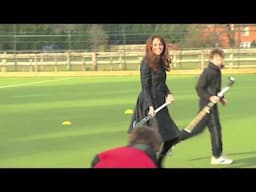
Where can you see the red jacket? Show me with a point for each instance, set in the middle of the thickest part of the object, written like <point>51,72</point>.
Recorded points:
<point>125,157</point>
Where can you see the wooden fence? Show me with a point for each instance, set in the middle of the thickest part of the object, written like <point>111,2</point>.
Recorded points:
<point>120,60</point>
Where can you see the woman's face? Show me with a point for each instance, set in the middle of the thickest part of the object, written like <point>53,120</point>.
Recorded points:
<point>157,46</point>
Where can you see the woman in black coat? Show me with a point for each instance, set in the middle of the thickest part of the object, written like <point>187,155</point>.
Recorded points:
<point>155,92</point>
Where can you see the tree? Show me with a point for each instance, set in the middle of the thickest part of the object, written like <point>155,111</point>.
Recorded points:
<point>229,28</point>
<point>253,44</point>
<point>173,33</point>
<point>98,38</point>
<point>192,36</point>
<point>28,36</point>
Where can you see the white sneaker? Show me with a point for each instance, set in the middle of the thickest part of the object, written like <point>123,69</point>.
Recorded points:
<point>221,161</point>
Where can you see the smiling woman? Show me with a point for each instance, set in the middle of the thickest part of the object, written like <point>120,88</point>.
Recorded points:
<point>155,93</point>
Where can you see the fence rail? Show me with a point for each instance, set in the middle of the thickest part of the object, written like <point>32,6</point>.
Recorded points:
<point>118,60</point>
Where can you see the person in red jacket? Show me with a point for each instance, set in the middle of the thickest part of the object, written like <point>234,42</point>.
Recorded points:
<point>141,151</point>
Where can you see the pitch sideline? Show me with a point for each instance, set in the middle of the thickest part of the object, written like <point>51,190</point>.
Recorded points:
<point>116,73</point>
<point>33,83</point>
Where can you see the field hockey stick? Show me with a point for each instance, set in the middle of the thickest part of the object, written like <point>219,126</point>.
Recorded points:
<point>145,119</point>
<point>207,108</point>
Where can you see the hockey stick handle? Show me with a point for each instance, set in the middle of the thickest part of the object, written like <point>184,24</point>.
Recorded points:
<point>161,107</point>
<point>145,119</point>
<point>226,89</point>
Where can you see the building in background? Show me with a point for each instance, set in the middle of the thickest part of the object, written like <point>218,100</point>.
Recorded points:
<point>245,35</point>
<point>231,35</point>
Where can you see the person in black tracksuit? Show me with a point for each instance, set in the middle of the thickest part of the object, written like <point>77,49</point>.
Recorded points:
<point>154,93</point>
<point>208,86</point>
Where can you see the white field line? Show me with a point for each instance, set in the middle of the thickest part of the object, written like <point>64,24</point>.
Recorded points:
<point>33,83</point>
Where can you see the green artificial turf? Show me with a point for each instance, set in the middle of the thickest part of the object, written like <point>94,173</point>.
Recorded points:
<point>33,109</point>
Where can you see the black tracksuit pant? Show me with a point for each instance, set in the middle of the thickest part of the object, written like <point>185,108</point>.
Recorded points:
<point>212,121</point>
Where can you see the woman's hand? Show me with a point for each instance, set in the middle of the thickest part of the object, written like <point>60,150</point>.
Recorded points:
<point>152,111</point>
<point>170,99</point>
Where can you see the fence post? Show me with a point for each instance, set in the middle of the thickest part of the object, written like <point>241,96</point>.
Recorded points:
<point>120,60</point>
<point>41,61</point>
<point>36,68</point>
<point>68,61</point>
<point>84,63</point>
<point>94,61</point>
<point>30,65</point>
<point>55,65</point>
<point>174,59</point>
<point>139,61</point>
<point>231,56</point>
<point>202,59</point>
<point>4,62</point>
<point>111,63</point>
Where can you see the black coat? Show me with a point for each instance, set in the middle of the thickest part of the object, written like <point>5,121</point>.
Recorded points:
<point>154,92</point>
<point>209,84</point>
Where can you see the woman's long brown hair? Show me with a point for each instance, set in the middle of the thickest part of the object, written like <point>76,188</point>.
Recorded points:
<point>153,60</point>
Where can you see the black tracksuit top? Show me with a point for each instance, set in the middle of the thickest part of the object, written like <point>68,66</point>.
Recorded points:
<point>209,83</point>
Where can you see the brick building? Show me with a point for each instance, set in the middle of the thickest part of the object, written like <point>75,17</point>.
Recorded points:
<point>231,35</point>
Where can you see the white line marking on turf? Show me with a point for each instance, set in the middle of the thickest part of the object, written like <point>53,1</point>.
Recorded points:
<point>33,83</point>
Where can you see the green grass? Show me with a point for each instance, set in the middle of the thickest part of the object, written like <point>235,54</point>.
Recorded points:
<point>32,110</point>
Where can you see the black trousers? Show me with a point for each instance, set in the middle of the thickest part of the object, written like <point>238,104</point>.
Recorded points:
<point>211,121</point>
